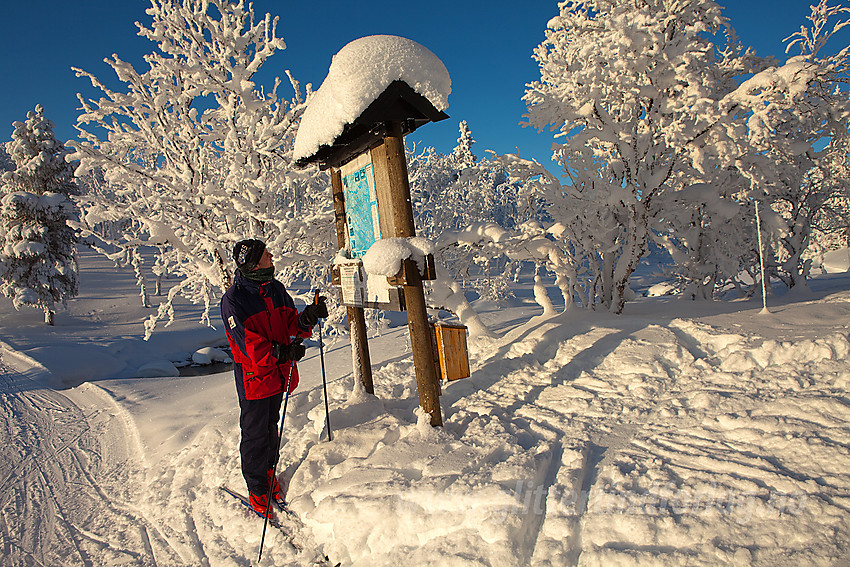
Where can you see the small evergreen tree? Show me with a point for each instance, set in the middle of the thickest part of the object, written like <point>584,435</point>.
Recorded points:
<point>37,247</point>
<point>5,161</point>
<point>463,151</point>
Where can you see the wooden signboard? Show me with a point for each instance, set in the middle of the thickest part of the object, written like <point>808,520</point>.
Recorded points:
<point>376,184</point>
<point>372,200</point>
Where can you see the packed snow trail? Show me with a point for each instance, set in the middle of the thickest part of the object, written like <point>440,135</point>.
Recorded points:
<point>81,485</point>
<point>66,479</point>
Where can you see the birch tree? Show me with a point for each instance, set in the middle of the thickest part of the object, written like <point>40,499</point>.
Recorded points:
<point>635,88</point>
<point>794,109</point>
<point>197,153</point>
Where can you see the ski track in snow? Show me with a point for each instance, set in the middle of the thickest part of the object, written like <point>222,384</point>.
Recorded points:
<point>74,491</point>
<point>624,431</point>
<point>578,441</point>
<point>662,431</point>
<point>67,481</point>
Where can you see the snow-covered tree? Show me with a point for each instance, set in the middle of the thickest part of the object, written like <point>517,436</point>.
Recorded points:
<point>198,155</point>
<point>6,163</point>
<point>455,191</point>
<point>636,89</point>
<point>462,153</point>
<point>794,108</point>
<point>667,139</point>
<point>38,265</point>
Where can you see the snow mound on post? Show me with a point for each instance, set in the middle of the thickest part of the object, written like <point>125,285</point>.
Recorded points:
<point>385,256</point>
<point>358,74</point>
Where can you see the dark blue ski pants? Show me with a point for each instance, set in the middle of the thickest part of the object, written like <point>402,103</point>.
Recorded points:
<point>259,421</point>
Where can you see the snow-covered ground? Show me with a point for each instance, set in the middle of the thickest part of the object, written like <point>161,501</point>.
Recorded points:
<point>679,433</point>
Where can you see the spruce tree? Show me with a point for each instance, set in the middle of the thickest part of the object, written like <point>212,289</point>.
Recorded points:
<point>37,247</point>
<point>463,151</point>
<point>5,161</point>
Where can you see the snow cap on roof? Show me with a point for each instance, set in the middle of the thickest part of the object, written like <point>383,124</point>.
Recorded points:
<point>358,74</point>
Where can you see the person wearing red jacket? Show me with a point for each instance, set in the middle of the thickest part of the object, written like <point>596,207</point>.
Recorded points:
<point>265,331</point>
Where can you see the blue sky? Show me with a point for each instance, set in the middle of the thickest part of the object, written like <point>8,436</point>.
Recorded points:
<point>485,44</point>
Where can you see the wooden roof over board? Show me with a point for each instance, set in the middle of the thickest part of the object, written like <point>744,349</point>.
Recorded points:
<point>398,103</point>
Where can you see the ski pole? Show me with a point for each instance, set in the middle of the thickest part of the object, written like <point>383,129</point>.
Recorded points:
<point>324,380</point>
<point>274,468</point>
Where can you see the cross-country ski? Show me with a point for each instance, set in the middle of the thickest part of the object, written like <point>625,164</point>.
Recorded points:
<point>290,529</point>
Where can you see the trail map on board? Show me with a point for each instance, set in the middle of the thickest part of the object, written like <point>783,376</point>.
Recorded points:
<point>361,206</point>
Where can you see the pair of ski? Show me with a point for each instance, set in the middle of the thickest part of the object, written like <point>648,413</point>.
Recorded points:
<point>281,506</point>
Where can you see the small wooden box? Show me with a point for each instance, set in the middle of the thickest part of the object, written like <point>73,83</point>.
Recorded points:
<point>450,350</point>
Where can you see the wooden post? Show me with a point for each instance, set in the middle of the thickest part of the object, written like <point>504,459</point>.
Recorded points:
<point>361,362</point>
<point>390,167</point>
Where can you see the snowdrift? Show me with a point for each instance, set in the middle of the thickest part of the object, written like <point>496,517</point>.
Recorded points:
<point>677,433</point>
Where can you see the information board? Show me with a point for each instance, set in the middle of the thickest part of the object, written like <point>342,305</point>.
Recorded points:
<point>361,204</point>
<point>352,285</point>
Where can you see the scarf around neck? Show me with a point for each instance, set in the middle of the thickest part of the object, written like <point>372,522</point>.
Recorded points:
<point>260,275</point>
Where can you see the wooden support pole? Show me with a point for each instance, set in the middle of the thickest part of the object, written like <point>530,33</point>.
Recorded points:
<point>420,343</point>
<point>361,361</point>
<point>390,167</point>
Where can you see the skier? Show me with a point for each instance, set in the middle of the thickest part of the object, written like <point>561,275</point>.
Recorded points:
<point>260,320</point>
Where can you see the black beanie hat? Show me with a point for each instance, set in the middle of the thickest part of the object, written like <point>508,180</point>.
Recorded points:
<point>247,254</point>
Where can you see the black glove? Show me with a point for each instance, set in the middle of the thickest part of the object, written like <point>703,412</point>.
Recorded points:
<point>313,312</point>
<point>293,351</point>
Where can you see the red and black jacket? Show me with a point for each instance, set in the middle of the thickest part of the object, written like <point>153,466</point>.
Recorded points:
<point>255,316</point>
